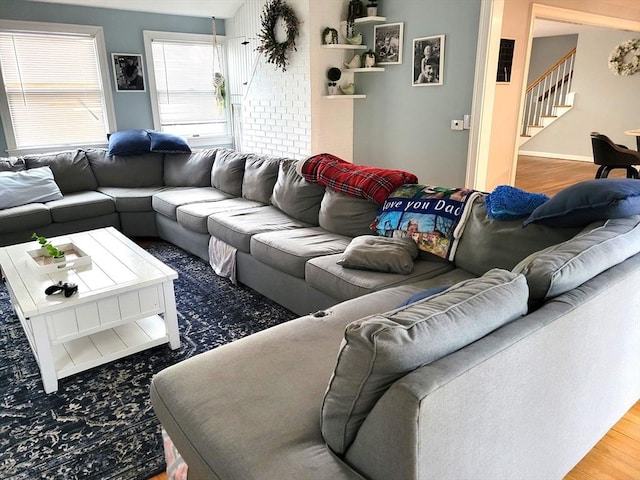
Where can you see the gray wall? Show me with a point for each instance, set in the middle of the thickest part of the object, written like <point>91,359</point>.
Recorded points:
<point>122,33</point>
<point>402,126</point>
<point>604,102</point>
<point>545,51</point>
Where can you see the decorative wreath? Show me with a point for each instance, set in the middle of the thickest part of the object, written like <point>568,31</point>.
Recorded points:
<point>617,58</point>
<point>275,52</point>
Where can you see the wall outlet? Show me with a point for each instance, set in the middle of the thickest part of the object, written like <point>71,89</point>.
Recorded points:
<point>456,124</point>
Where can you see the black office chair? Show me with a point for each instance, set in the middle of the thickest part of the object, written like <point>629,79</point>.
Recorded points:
<point>610,155</point>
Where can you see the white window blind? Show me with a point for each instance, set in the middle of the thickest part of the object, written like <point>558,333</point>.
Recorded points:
<point>53,88</point>
<point>185,96</point>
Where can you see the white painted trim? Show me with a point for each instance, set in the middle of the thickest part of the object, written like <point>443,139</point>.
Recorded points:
<point>559,156</point>
<point>484,88</point>
<point>90,30</point>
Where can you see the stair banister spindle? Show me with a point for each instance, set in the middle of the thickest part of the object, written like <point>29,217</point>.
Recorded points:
<point>558,84</point>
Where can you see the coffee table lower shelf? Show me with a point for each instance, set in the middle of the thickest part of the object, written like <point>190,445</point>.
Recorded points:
<point>80,354</point>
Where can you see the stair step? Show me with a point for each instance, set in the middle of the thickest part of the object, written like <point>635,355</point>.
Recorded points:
<point>535,126</point>
<point>528,136</point>
<point>548,116</point>
<point>562,106</point>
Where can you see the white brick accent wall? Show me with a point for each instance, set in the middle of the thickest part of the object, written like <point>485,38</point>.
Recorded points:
<point>276,105</point>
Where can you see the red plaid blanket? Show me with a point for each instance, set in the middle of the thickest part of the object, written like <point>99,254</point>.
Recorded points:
<point>374,184</point>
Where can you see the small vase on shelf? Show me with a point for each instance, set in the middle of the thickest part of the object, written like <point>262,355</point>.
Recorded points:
<point>372,9</point>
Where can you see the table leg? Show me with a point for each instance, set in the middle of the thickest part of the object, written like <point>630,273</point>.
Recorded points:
<point>43,354</point>
<point>170,315</point>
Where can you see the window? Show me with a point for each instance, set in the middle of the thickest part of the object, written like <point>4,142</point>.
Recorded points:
<point>181,69</point>
<point>52,86</point>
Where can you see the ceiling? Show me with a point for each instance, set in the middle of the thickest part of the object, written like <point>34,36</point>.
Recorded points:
<point>189,8</point>
<point>550,28</point>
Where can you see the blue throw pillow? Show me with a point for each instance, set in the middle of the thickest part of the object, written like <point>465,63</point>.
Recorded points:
<point>168,143</point>
<point>129,142</point>
<point>422,295</point>
<point>586,202</point>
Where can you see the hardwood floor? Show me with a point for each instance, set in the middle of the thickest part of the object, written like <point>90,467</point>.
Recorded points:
<point>546,175</point>
<point>617,455</point>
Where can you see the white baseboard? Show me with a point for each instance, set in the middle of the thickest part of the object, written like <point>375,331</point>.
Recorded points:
<point>559,156</point>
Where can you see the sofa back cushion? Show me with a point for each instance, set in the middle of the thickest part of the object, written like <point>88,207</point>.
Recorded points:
<point>189,170</point>
<point>487,243</point>
<point>260,175</point>
<point>346,215</point>
<point>565,266</point>
<point>71,169</point>
<point>228,170</point>
<point>380,349</point>
<point>295,196</point>
<point>12,164</point>
<point>135,171</point>
<point>28,186</point>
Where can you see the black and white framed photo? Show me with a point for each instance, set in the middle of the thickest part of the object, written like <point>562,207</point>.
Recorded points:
<point>428,61</point>
<point>388,41</point>
<point>127,71</point>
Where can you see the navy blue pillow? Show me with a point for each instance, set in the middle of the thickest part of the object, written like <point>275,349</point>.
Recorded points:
<point>586,202</point>
<point>168,143</point>
<point>422,295</point>
<point>129,142</point>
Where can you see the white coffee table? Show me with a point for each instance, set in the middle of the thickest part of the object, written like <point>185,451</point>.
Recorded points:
<point>125,304</point>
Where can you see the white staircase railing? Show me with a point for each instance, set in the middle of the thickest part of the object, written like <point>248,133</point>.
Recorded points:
<point>548,94</point>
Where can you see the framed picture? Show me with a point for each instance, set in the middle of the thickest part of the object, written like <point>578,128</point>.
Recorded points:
<point>388,40</point>
<point>428,61</point>
<point>128,72</point>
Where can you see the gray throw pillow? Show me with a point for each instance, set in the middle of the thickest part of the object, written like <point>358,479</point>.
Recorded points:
<point>228,170</point>
<point>380,349</point>
<point>380,254</point>
<point>260,175</point>
<point>295,196</point>
<point>71,169</point>
<point>346,215</point>
<point>563,267</point>
<point>189,169</point>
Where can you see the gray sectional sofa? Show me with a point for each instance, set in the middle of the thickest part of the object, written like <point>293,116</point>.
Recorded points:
<point>524,355</point>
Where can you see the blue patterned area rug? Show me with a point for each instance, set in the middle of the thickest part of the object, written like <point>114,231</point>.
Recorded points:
<point>100,424</point>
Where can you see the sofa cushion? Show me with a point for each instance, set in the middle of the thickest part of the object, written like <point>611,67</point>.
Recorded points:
<point>380,254</point>
<point>71,169</point>
<point>28,186</point>
<point>12,164</point>
<point>237,227</point>
<point>81,205</point>
<point>167,143</point>
<point>586,202</point>
<point>24,218</point>
<point>260,175</point>
<point>487,243</point>
<point>132,199</point>
<point>129,142</point>
<point>324,274</point>
<point>565,266</point>
<point>295,196</point>
<point>189,170</point>
<point>145,170</point>
<point>380,349</point>
<point>346,215</point>
<point>167,201</point>
<point>228,170</point>
<point>289,251</point>
<point>194,215</point>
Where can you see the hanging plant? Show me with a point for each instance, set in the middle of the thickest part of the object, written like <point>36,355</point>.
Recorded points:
<point>276,52</point>
<point>617,63</point>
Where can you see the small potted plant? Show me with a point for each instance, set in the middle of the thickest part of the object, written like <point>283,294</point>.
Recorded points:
<point>52,250</point>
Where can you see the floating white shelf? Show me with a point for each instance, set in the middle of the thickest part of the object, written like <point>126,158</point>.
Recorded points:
<point>367,20</point>
<point>344,46</point>
<point>363,70</point>
<point>336,97</point>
